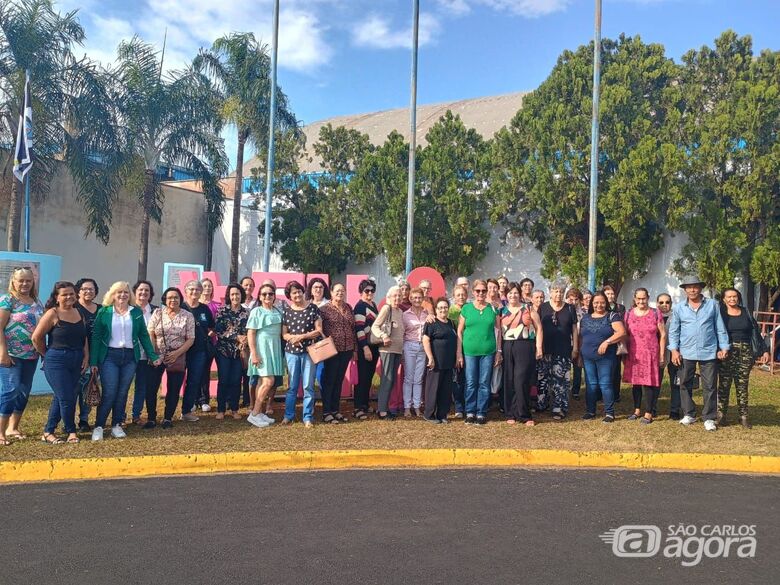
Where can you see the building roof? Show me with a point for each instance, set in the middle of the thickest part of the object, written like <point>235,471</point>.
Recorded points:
<point>486,115</point>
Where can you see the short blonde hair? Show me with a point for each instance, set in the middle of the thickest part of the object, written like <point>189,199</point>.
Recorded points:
<point>12,287</point>
<point>108,298</point>
<point>392,290</point>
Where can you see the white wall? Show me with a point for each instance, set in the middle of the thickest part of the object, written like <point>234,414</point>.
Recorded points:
<point>57,227</point>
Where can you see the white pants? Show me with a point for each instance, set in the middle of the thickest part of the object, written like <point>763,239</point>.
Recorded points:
<point>414,370</point>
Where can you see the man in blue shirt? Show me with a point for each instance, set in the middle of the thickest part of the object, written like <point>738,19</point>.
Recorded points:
<point>697,336</point>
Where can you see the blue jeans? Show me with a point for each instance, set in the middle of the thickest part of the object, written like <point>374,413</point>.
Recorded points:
<point>116,375</point>
<point>15,386</point>
<point>229,382</point>
<point>196,368</point>
<point>142,373</point>
<point>300,369</point>
<point>479,370</point>
<point>84,408</point>
<point>598,376</point>
<point>62,368</point>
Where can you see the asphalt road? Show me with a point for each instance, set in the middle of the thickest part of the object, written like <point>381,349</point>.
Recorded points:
<point>379,527</point>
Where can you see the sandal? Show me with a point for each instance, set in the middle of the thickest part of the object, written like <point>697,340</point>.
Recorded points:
<point>17,436</point>
<point>51,439</point>
<point>559,416</point>
<point>340,417</point>
<point>530,423</point>
<point>5,442</point>
<point>236,415</point>
<point>220,416</point>
<point>73,440</point>
<point>330,419</point>
<point>359,414</point>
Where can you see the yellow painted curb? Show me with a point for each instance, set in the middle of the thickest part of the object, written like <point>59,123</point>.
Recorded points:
<point>151,465</point>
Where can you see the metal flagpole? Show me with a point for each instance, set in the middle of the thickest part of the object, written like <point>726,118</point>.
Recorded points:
<point>412,140</point>
<point>269,176</point>
<point>27,212</point>
<point>594,152</point>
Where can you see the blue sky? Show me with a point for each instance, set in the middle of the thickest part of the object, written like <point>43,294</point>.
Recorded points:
<point>349,56</point>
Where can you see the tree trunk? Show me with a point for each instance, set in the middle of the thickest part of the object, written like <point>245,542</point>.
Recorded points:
<point>143,246</point>
<point>750,292</point>
<point>14,220</point>
<point>209,249</point>
<point>237,189</point>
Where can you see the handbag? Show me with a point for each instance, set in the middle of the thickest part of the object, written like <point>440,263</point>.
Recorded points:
<point>757,343</point>
<point>386,327</point>
<point>622,348</point>
<point>322,350</point>
<point>180,364</point>
<point>93,395</point>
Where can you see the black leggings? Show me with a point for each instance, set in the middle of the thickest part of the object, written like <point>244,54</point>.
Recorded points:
<point>332,380</point>
<point>651,397</point>
<point>174,382</point>
<point>366,369</point>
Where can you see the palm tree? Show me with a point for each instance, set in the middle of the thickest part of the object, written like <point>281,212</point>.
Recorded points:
<point>169,118</point>
<point>240,68</point>
<point>64,90</point>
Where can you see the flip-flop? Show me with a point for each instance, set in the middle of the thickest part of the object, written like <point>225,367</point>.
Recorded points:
<point>5,442</point>
<point>15,436</point>
<point>73,440</point>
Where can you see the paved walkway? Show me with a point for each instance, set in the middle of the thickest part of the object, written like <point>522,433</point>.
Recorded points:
<point>378,527</point>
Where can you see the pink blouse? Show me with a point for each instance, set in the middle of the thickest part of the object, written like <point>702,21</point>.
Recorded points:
<point>413,325</point>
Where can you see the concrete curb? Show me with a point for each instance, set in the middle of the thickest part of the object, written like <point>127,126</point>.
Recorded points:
<point>205,463</point>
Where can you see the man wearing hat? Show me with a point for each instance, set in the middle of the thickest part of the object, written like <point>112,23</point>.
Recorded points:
<point>697,336</point>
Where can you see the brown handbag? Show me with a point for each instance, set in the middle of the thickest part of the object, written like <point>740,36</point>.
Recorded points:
<point>93,395</point>
<point>322,350</point>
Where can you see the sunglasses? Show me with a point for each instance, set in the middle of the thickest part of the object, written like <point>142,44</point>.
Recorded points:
<point>267,294</point>
<point>664,302</point>
<point>20,268</point>
<point>369,291</point>
<point>480,291</point>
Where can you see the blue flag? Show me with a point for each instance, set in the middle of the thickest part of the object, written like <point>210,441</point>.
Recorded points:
<point>24,137</point>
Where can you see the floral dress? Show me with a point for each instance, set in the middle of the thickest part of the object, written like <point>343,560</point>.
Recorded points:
<point>643,359</point>
<point>229,324</point>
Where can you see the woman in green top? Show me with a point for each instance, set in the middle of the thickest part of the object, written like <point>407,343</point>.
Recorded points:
<point>264,337</point>
<point>118,334</point>
<point>479,330</point>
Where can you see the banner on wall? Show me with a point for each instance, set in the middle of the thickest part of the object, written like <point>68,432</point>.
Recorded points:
<point>175,274</point>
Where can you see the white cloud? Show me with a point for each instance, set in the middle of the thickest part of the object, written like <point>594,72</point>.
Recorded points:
<point>192,24</point>
<point>526,8</point>
<point>376,32</point>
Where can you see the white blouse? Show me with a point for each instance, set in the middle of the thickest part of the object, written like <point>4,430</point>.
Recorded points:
<point>121,330</point>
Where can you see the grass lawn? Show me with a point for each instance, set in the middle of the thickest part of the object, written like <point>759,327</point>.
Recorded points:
<point>210,435</point>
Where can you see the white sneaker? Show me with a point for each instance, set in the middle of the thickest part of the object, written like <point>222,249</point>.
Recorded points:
<point>205,408</point>
<point>118,432</point>
<point>709,425</point>
<point>97,434</point>
<point>257,421</point>
<point>266,418</point>
<point>687,420</point>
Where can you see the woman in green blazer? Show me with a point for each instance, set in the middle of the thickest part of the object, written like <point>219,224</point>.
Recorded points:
<point>118,335</point>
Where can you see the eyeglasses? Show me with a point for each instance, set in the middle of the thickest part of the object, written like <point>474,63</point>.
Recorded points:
<point>174,299</point>
<point>480,291</point>
<point>267,294</point>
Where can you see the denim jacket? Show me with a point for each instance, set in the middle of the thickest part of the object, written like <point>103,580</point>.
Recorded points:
<point>698,335</point>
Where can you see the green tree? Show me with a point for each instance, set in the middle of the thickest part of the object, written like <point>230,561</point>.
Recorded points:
<point>72,112</point>
<point>318,225</point>
<point>171,118</point>
<point>540,179</point>
<point>240,67</point>
<point>730,117</point>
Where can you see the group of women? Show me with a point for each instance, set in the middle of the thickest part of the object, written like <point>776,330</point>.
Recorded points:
<point>448,350</point>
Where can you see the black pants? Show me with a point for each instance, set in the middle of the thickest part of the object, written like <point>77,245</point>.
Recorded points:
<point>651,397</point>
<point>175,380</point>
<point>332,380</point>
<point>438,393</point>
<point>616,377</point>
<point>708,370</point>
<point>576,380</point>
<point>204,397</point>
<point>366,369</point>
<point>519,367</point>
